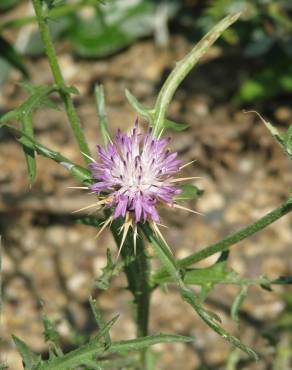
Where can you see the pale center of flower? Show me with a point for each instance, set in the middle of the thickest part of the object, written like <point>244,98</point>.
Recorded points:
<point>140,178</point>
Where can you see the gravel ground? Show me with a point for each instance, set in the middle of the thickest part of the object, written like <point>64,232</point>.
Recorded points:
<point>50,262</point>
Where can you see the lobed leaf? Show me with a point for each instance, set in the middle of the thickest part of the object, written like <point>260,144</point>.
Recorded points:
<point>39,98</point>
<point>30,360</point>
<point>99,320</point>
<point>51,335</point>
<point>86,353</point>
<point>23,113</point>
<point>111,269</point>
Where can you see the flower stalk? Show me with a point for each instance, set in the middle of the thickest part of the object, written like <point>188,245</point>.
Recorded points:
<point>59,80</point>
<point>138,271</point>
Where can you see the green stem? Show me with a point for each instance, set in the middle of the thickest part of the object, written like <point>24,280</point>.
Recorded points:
<point>143,295</point>
<point>192,277</point>
<point>59,80</point>
<point>138,275</point>
<point>143,298</point>
<point>232,239</point>
<point>183,67</point>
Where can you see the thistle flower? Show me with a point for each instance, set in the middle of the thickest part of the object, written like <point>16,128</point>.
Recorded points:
<point>136,174</point>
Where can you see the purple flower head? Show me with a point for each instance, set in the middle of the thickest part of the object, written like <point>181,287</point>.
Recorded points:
<point>136,172</point>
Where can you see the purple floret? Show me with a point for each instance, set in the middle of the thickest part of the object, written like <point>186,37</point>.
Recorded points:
<point>136,172</point>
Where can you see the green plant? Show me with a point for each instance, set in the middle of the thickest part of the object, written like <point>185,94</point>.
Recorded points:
<point>135,262</point>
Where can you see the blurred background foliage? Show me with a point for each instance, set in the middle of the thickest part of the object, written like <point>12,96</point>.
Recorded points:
<point>262,39</point>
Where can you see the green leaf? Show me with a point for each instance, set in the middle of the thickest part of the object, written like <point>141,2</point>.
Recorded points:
<point>71,90</point>
<point>29,358</point>
<point>283,280</point>
<point>51,335</point>
<point>99,320</point>
<point>103,44</point>
<point>149,114</point>
<point>8,52</point>
<point>168,124</point>
<point>104,330</point>
<point>39,98</point>
<point>237,303</point>
<point>139,107</point>
<point>91,221</point>
<point>27,127</point>
<point>7,4</point>
<point>211,275</point>
<point>208,275</point>
<point>99,97</point>
<point>188,192</point>
<point>85,354</point>
<point>164,254</point>
<point>111,269</point>
<point>252,90</point>
<point>210,318</point>
<point>121,363</point>
<point>285,139</point>
<point>80,173</point>
<point>145,342</point>
<point>5,69</point>
<point>211,321</point>
<point>218,8</point>
<point>50,331</point>
<point>102,34</point>
<point>268,82</point>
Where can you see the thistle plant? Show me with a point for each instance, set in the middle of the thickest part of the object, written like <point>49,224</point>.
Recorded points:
<point>132,177</point>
